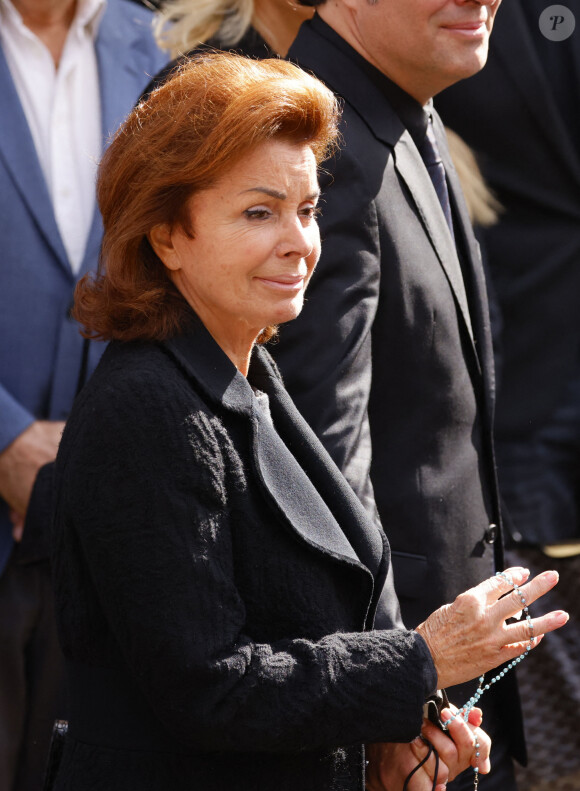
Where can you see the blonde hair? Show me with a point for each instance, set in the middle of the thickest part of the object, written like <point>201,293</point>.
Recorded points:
<point>182,25</point>
<point>482,205</point>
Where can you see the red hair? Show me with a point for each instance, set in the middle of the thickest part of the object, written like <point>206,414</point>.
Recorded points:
<point>182,139</point>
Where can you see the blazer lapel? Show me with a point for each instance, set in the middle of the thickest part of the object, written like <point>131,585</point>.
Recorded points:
<point>20,158</point>
<point>124,68</point>
<point>126,57</point>
<point>344,77</point>
<point>478,306</point>
<point>204,361</point>
<point>410,167</point>
<point>365,538</point>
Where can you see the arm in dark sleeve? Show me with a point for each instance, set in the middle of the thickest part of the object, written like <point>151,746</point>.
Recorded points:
<point>149,509</point>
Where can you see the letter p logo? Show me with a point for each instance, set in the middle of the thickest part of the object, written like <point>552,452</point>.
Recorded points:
<point>557,22</point>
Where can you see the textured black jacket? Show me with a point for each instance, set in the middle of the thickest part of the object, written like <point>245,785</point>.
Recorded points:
<point>213,603</point>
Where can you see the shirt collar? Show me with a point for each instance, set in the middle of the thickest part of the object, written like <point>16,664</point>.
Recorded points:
<point>412,114</point>
<point>89,15</point>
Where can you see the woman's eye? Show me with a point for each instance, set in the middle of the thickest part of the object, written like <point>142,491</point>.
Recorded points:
<point>257,214</point>
<point>310,211</point>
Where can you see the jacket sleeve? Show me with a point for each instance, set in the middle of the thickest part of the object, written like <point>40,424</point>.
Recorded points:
<point>14,418</point>
<point>146,508</point>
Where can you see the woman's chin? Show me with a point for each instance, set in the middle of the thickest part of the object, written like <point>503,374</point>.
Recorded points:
<point>283,313</point>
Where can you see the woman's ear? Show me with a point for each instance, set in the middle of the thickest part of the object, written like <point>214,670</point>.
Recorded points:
<point>161,239</point>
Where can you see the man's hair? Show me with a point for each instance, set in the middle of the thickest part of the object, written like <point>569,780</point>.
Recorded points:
<point>183,138</point>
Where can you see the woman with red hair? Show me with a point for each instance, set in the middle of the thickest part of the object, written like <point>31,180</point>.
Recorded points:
<point>218,584</point>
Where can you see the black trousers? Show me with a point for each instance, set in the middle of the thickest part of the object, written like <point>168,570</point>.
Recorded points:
<point>31,674</point>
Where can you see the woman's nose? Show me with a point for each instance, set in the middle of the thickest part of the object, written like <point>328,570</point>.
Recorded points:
<point>297,239</point>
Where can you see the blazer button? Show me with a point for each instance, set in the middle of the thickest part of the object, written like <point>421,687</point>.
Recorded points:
<point>491,534</point>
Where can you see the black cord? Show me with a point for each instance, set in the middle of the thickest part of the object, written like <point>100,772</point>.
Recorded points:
<point>424,761</point>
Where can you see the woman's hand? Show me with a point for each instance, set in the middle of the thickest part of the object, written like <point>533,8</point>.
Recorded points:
<point>390,764</point>
<point>471,636</point>
<point>456,747</point>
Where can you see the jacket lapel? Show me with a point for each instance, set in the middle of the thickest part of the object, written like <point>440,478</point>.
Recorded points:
<point>365,538</point>
<point>204,361</point>
<point>19,155</point>
<point>123,62</point>
<point>410,167</point>
<point>124,67</point>
<point>314,51</point>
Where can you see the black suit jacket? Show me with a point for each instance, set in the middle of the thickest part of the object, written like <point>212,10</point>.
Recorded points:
<point>391,354</point>
<point>508,114</point>
<point>391,361</point>
<point>213,603</point>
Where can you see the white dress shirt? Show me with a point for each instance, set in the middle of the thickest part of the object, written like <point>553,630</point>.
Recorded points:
<point>63,109</point>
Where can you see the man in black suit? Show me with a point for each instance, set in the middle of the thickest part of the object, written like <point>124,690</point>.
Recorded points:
<point>392,353</point>
<point>520,114</point>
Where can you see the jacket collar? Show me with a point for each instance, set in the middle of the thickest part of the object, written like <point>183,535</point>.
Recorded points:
<point>316,48</point>
<point>123,63</point>
<point>18,152</point>
<point>350,536</point>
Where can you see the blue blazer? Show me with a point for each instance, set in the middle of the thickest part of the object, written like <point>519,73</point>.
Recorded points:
<point>40,345</point>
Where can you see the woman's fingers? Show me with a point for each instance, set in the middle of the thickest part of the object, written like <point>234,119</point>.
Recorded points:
<point>391,764</point>
<point>523,631</point>
<point>470,636</point>
<point>420,749</point>
<point>456,746</point>
<point>513,603</point>
<point>497,586</point>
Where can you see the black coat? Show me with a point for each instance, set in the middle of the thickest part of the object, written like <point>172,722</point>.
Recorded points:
<point>392,352</point>
<point>530,156</point>
<point>212,602</point>
<point>391,359</point>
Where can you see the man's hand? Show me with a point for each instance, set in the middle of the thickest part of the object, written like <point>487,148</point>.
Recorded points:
<point>19,465</point>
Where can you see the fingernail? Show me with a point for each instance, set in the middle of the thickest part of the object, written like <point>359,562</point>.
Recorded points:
<point>552,577</point>
<point>562,618</point>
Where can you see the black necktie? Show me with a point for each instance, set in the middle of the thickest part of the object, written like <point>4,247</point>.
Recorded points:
<point>429,151</point>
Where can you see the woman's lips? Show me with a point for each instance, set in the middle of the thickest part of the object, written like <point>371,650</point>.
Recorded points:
<point>284,282</point>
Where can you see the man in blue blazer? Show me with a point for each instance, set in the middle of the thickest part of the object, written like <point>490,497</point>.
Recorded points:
<point>40,345</point>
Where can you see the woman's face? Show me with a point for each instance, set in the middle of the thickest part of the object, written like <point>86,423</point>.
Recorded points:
<point>253,246</point>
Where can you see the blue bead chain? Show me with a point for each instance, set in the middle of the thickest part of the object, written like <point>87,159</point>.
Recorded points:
<point>466,708</point>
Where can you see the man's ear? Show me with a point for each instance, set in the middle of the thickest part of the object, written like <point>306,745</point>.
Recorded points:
<point>161,240</point>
